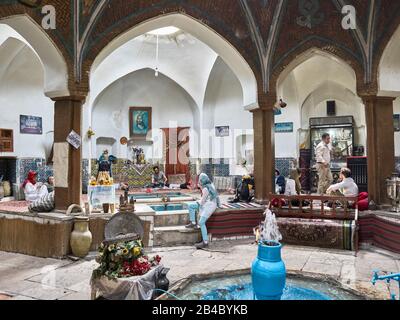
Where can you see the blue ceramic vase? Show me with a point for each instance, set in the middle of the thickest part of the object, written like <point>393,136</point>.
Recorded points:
<point>268,273</point>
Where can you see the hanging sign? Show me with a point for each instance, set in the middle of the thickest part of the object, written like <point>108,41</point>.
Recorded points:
<point>74,139</point>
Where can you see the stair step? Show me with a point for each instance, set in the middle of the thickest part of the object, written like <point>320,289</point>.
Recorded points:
<point>171,219</point>
<point>175,235</point>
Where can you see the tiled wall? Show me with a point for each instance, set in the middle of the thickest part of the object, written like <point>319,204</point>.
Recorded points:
<point>36,164</point>
<point>284,165</point>
<point>216,167</point>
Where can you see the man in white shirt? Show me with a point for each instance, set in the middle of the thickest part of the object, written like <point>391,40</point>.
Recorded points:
<point>323,157</point>
<point>347,187</point>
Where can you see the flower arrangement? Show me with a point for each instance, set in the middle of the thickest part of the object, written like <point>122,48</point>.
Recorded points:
<point>124,260</point>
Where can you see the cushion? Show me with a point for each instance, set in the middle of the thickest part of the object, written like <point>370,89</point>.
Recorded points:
<point>363,205</point>
<point>362,196</point>
<point>275,202</point>
<point>44,204</point>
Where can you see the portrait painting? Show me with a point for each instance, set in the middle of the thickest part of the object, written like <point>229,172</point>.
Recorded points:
<point>140,119</point>
<point>222,131</point>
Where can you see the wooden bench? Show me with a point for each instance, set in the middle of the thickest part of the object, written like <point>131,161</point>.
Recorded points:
<point>317,224</point>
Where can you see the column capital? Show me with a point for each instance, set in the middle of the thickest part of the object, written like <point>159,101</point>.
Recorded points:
<point>374,98</point>
<point>74,98</point>
<point>267,102</point>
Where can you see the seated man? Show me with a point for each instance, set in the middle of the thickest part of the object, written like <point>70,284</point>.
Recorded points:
<point>50,184</point>
<point>280,182</point>
<point>347,187</point>
<point>158,178</point>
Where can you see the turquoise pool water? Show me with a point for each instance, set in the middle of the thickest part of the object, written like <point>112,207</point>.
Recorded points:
<point>157,195</point>
<point>169,207</point>
<point>240,288</point>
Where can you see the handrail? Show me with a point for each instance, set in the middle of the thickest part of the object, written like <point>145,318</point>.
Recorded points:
<point>311,212</point>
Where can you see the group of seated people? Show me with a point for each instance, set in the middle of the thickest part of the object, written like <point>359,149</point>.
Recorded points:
<point>345,188</point>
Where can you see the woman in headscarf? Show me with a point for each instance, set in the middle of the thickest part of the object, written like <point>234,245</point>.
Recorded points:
<point>33,190</point>
<point>208,204</point>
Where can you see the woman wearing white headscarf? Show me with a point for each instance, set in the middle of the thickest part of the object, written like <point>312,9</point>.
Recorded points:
<point>208,204</point>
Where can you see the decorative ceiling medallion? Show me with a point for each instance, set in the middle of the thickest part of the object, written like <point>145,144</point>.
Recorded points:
<point>311,16</point>
<point>31,3</point>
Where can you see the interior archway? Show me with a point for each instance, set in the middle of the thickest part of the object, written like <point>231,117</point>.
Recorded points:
<point>55,67</point>
<point>307,91</point>
<point>183,22</point>
<point>388,78</point>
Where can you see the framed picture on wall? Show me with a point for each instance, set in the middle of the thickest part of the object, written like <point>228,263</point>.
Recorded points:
<point>30,124</point>
<point>396,119</point>
<point>140,122</point>
<point>222,131</point>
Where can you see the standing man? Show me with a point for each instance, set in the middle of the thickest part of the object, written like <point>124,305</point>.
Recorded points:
<point>323,157</point>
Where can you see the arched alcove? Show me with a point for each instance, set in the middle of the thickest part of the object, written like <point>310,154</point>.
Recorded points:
<point>54,65</point>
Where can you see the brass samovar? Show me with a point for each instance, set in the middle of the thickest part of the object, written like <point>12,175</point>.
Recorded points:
<point>393,191</point>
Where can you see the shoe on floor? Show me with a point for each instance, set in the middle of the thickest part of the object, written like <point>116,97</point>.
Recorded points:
<point>201,245</point>
<point>191,226</point>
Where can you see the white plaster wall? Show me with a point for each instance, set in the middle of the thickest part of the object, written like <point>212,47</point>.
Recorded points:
<point>172,107</point>
<point>21,92</point>
<point>396,110</point>
<point>389,67</point>
<point>286,144</point>
<point>223,107</point>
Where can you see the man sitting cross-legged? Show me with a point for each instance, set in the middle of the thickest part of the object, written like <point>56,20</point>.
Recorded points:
<point>347,187</point>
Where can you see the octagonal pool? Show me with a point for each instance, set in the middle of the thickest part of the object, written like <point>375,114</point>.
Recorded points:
<point>239,287</point>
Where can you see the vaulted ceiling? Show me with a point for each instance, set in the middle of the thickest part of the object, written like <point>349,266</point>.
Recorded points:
<point>267,33</point>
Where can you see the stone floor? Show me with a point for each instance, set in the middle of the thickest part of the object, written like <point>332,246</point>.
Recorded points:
<point>25,277</point>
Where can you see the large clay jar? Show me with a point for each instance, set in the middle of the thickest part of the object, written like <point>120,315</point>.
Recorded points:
<point>81,237</point>
<point>268,273</point>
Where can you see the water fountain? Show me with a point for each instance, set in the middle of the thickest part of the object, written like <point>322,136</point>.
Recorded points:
<point>268,271</point>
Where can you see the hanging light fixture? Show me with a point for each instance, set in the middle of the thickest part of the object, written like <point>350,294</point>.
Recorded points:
<point>157,48</point>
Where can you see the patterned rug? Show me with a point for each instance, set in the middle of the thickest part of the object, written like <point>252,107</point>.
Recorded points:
<point>240,205</point>
<point>14,206</point>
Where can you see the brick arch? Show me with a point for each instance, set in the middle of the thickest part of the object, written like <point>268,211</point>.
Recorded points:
<point>295,56</point>
<point>93,53</point>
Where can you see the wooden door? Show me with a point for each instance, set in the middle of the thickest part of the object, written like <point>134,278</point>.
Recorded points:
<point>176,151</point>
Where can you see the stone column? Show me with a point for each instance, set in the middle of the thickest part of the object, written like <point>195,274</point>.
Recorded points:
<point>67,159</point>
<point>380,145</point>
<point>264,148</point>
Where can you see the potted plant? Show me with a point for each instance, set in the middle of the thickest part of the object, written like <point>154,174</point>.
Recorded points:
<point>268,270</point>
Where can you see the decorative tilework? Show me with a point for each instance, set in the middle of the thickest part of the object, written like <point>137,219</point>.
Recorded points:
<point>123,172</point>
<point>39,165</point>
<point>283,165</point>
<point>216,167</point>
